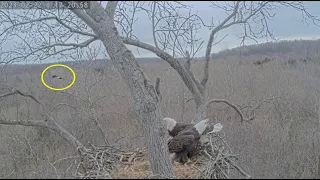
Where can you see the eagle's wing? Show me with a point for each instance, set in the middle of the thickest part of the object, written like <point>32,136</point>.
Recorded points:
<point>180,127</point>
<point>179,143</point>
<point>186,132</point>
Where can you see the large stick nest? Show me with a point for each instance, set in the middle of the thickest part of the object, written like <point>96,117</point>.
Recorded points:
<point>214,160</point>
<point>98,162</point>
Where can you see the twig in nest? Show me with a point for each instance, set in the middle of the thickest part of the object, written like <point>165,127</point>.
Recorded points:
<point>238,168</point>
<point>97,162</point>
<point>218,164</point>
<point>131,157</point>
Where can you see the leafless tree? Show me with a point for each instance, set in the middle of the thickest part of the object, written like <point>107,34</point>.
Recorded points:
<point>175,33</point>
<point>45,33</point>
<point>51,33</point>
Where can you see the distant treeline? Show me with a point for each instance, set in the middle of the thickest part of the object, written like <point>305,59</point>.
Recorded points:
<point>303,47</point>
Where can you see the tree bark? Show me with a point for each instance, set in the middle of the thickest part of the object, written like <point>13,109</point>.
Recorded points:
<point>146,101</point>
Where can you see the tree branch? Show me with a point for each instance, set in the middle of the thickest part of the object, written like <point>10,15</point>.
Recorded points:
<point>47,123</point>
<point>235,107</point>
<point>187,66</point>
<point>238,168</point>
<point>154,25</point>
<point>73,46</point>
<point>83,15</point>
<point>186,77</point>
<point>210,41</point>
<point>144,95</point>
<point>39,123</point>
<point>22,94</point>
<point>111,9</point>
<point>158,88</point>
<point>188,62</point>
<point>49,18</point>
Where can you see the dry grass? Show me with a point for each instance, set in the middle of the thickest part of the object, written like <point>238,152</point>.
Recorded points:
<point>282,142</point>
<point>142,170</point>
<point>139,168</point>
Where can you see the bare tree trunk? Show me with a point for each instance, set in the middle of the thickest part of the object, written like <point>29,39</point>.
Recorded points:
<point>146,101</point>
<point>183,106</point>
<point>200,115</point>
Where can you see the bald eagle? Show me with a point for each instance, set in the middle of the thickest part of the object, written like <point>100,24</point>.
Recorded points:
<point>174,127</point>
<point>185,143</point>
<point>55,76</point>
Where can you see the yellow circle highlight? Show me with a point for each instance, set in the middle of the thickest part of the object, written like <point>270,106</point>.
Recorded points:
<point>58,89</point>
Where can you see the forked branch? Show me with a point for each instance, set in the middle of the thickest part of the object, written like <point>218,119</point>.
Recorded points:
<point>210,43</point>
<point>184,74</point>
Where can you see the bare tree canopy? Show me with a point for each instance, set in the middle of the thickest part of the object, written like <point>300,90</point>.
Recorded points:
<point>37,34</point>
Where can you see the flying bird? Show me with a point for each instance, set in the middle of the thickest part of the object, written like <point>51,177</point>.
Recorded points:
<point>55,76</point>
<point>185,143</point>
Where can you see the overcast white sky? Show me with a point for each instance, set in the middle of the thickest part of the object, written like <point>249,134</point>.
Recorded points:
<point>286,25</point>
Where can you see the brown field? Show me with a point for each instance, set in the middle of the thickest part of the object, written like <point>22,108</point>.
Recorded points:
<point>282,142</point>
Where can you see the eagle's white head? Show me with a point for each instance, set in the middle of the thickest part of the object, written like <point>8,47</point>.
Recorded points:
<point>202,125</point>
<point>171,123</point>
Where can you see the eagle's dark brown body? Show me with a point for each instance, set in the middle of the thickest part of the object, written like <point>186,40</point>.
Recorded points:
<point>184,144</point>
<point>179,127</point>
<point>186,137</point>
